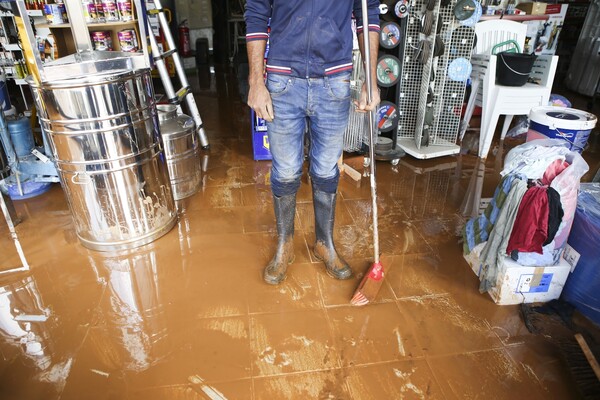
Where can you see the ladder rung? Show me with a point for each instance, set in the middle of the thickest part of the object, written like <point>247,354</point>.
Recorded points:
<point>164,55</point>
<point>180,95</point>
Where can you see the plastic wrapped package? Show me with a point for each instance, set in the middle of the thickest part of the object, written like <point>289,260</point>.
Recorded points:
<point>533,159</point>
<point>583,285</point>
<point>567,186</point>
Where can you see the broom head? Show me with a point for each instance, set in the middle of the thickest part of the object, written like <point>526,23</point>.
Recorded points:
<point>369,286</point>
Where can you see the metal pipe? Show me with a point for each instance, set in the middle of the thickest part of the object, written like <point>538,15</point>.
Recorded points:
<point>368,80</point>
<point>13,234</point>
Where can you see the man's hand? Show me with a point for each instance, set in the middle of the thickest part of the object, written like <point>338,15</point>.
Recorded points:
<point>363,105</point>
<point>259,100</point>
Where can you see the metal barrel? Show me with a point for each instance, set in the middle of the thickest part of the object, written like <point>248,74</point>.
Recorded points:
<point>104,134</point>
<point>182,150</point>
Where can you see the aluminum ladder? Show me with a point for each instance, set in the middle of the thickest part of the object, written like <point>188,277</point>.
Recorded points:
<point>185,92</point>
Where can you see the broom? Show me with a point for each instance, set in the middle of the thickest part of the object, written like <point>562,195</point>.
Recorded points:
<point>373,279</point>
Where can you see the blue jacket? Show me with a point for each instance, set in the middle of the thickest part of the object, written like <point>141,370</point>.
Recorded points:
<point>308,38</point>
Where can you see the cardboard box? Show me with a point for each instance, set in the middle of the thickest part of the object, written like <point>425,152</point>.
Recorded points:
<point>518,284</point>
<point>534,8</point>
<point>553,9</point>
<point>542,36</point>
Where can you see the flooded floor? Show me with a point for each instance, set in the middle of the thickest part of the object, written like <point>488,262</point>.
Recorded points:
<point>189,317</point>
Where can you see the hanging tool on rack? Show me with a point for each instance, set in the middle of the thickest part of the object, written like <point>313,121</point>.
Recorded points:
<point>184,94</point>
<point>373,279</point>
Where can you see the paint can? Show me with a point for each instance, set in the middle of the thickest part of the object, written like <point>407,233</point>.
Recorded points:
<point>56,14</point>
<point>128,40</point>
<point>568,124</point>
<point>99,10</point>
<point>89,12</point>
<point>125,10</point>
<point>102,40</point>
<point>111,12</point>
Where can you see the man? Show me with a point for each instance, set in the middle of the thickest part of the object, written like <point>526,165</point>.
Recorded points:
<point>308,82</point>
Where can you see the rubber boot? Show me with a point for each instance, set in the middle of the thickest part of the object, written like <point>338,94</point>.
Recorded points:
<point>324,248</point>
<point>285,210</point>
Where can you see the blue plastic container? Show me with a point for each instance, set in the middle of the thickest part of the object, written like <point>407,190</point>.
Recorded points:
<point>568,124</point>
<point>21,136</point>
<point>583,285</point>
<point>260,140</point>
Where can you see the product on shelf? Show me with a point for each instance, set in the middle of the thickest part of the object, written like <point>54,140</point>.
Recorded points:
<point>128,40</point>
<point>125,10</point>
<point>99,11</point>
<point>34,5</point>
<point>21,70</point>
<point>89,11</point>
<point>55,13</point>
<point>102,40</point>
<point>111,12</point>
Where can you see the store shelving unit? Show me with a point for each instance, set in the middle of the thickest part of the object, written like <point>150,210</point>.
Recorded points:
<point>64,39</point>
<point>11,49</point>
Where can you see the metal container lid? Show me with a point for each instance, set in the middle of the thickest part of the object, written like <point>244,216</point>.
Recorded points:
<point>166,111</point>
<point>93,78</point>
<point>172,125</point>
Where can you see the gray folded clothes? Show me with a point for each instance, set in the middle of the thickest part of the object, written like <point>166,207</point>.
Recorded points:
<point>500,234</point>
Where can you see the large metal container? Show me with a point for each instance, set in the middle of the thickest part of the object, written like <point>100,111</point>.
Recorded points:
<point>182,150</point>
<point>103,132</point>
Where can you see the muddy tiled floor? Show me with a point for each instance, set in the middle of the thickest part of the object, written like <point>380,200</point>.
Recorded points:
<point>189,317</point>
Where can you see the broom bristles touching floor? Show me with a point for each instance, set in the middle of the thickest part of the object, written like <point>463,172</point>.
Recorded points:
<point>369,286</point>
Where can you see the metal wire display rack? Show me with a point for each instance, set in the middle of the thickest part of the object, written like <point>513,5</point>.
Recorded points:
<point>429,84</point>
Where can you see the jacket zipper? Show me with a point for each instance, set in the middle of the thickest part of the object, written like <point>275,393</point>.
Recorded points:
<point>308,32</point>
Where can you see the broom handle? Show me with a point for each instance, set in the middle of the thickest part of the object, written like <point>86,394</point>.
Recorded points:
<point>367,57</point>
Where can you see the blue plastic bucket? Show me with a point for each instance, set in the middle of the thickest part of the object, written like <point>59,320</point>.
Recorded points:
<point>568,124</point>
<point>21,136</point>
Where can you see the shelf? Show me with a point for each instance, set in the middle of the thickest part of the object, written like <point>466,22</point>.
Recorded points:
<point>93,24</point>
<point>35,13</point>
<point>31,13</point>
<point>517,18</point>
<point>11,47</point>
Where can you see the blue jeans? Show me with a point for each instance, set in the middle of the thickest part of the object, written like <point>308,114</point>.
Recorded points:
<point>323,104</point>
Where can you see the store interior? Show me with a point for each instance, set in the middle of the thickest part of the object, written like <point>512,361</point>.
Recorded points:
<point>134,235</point>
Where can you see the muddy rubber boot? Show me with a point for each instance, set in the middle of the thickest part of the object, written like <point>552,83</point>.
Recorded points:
<point>324,248</point>
<point>285,210</point>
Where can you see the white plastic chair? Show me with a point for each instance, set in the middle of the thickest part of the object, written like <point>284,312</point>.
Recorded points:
<point>496,100</point>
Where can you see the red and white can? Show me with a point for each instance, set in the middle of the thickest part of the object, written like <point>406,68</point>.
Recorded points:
<point>89,12</point>
<point>125,10</point>
<point>102,40</point>
<point>111,12</point>
<point>128,40</point>
<point>99,10</point>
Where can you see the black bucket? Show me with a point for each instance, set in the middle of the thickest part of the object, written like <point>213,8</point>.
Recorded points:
<point>513,69</point>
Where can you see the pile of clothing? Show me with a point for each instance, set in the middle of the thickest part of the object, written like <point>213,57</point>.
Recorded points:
<point>531,213</point>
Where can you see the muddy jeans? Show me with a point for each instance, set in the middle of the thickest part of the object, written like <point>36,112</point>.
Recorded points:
<point>324,104</point>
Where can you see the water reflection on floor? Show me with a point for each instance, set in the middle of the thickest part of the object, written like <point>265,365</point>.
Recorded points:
<point>188,316</point>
